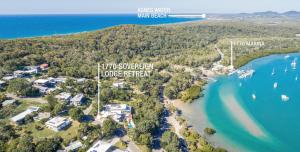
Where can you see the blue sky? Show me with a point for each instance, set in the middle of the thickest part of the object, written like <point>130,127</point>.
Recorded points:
<point>126,6</point>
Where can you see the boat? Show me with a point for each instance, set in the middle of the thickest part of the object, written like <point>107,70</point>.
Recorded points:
<point>275,85</point>
<point>296,78</point>
<point>273,72</point>
<point>245,73</point>
<point>285,98</point>
<point>294,64</point>
<point>285,70</point>
<point>253,96</point>
<point>240,84</point>
<point>287,56</point>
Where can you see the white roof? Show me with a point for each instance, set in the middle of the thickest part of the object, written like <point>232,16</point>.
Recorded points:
<point>8,78</point>
<point>100,146</point>
<point>41,81</point>
<point>78,97</point>
<point>74,145</point>
<point>56,121</point>
<point>22,115</point>
<point>7,102</point>
<point>64,95</point>
<point>2,82</point>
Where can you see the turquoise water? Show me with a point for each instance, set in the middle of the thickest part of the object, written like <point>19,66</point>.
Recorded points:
<point>266,124</point>
<point>20,26</point>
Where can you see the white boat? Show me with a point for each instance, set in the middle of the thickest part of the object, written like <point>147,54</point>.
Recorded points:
<point>286,57</point>
<point>296,78</point>
<point>275,85</point>
<point>285,70</point>
<point>253,96</point>
<point>285,98</point>
<point>273,72</point>
<point>294,64</point>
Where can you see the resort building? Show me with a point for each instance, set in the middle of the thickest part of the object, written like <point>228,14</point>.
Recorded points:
<point>58,123</point>
<point>117,112</point>
<point>18,119</point>
<point>77,100</point>
<point>101,146</point>
<point>65,97</point>
<point>8,102</point>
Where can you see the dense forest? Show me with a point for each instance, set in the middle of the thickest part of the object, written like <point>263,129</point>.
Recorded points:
<point>175,50</point>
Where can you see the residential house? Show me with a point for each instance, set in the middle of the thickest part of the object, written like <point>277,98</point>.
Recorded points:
<point>77,100</point>
<point>101,146</point>
<point>118,85</point>
<point>73,146</point>
<point>58,123</point>
<point>8,78</point>
<point>118,112</point>
<point>42,82</point>
<point>64,96</point>
<point>18,119</point>
<point>44,67</point>
<point>8,102</point>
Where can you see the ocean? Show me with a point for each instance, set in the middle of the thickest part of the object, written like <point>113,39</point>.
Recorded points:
<point>22,26</point>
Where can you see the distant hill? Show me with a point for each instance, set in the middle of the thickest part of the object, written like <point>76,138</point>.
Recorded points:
<point>271,14</point>
<point>292,13</point>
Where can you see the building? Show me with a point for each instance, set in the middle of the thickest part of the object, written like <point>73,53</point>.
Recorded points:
<point>42,82</point>
<point>73,146</point>
<point>81,80</point>
<point>18,119</point>
<point>118,112</point>
<point>65,97</point>
<point>58,123</point>
<point>8,78</point>
<point>77,100</point>
<point>118,85</point>
<point>101,146</point>
<point>8,102</point>
<point>44,66</point>
<point>42,90</point>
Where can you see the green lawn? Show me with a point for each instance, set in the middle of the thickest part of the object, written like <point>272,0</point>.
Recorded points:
<point>67,134</point>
